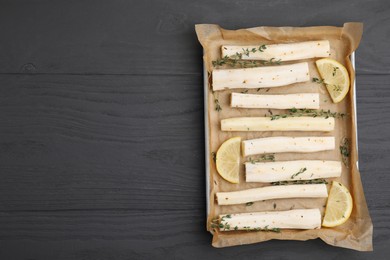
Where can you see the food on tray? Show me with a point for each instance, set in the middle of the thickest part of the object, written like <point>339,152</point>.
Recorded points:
<point>283,52</point>
<point>260,77</point>
<point>291,170</point>
<point>228,159</point>
<point>271,220</point>
<point>284,144</point>
<point>336,78</point>
<point>287,101</point>
<point>339,205</point>
<point>275,80</point>
<point>272,192</point>
<point>282,124</point>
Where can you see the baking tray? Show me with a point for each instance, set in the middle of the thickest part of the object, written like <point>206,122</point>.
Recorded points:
<point>207,137</point>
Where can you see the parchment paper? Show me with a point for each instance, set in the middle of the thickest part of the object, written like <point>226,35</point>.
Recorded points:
<point>356,233</point>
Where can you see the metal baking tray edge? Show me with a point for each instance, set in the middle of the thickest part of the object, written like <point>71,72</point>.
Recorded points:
<point>207,137</point>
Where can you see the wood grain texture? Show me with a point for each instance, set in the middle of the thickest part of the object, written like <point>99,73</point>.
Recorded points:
<point>140,235</point>
<point>101,126</point>
<point>82,142</point>
<point>158,37</point>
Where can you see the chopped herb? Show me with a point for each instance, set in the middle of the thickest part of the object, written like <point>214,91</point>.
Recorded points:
<point>217,106</point>
<point>244,91</point>
<point>344,150</point>
<point>274,205</point>
<point>296,174</point>
<point>337,88</point>
<point>334,71</point>
<point>249,204</point>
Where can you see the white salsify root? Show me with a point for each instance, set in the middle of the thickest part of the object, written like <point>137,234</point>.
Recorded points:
<point>286,144</point>
<point>280,52</point>
<point>282,124</point>
<point>271,220</point>
<point>291,170</point>
<point>272,192</point>
<point>300,100</point>
<point>260,77</point>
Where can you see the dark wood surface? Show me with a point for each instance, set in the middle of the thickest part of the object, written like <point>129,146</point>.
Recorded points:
<point>101,126</point>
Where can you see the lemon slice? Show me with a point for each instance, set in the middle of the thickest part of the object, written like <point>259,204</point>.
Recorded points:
<point>339,205</point>
<point>228,159</point>
<point>335,77</point>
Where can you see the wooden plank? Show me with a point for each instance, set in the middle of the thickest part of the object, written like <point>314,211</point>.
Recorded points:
<point>149,235</point>
<point>157,37</point>
<point>93,142</point>
<point>373,94</point>
<point>96,142</point>
<point>95,166</point>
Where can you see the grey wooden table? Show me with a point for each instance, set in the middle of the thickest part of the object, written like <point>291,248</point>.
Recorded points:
<point>101,126</point>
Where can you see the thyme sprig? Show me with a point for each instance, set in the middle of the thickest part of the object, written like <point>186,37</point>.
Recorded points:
<point>245,64</point>
<point>214,223</point>
<point>247,52</point>
<point>345,151</point>
<point>336,88</point>
<point>236,59</point>
<point>217,106</point>
<point>214,156</point>
<point>263,158</point>
<point>223,225</point>
<point>321,81</point>
<point>266,229</point>
<point>294,112</point>
<point>299,172</point>
<point>314,181</point>
<point>272,61</point>
<point>317,80</point>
